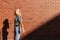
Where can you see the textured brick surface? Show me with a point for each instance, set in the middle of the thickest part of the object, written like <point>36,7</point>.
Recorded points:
<point>48,31</point>
<point>37,12</point>
<point>34,13</point>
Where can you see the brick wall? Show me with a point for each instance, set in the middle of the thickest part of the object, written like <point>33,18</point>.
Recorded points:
<point>34,13</point>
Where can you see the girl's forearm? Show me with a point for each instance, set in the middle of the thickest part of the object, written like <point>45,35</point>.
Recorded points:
<point>23,30</point>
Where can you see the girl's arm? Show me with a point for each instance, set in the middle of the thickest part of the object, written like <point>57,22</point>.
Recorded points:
<point>22,26</point>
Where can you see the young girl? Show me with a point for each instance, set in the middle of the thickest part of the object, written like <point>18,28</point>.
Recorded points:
<point>18,26</point>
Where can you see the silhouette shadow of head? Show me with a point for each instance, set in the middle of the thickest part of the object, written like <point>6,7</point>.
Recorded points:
<point>4,29</point>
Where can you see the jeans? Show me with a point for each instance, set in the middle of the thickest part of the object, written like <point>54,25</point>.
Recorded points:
<point>17,35</point>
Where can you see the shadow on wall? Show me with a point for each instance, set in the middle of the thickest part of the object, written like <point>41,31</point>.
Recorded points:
<point>4,29</point>
<point>0,34</point>
<point>48,31</point>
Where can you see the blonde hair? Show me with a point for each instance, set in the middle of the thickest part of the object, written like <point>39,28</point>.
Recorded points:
<point>18,12</point>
